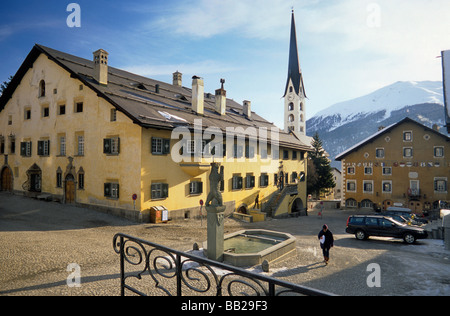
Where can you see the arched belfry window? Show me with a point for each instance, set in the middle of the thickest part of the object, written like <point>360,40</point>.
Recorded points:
<point>291,106</point>
<point>291,118</point>
<point>42,88</point>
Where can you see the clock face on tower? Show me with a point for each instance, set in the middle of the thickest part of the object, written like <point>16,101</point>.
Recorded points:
<point>290,97</point>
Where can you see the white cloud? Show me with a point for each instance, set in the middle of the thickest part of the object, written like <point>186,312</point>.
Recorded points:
<point>207,18</point>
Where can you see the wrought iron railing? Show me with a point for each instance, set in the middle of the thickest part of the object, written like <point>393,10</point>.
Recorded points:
<point>149,269</point>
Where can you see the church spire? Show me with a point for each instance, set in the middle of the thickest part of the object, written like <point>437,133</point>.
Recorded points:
<point>294,93</point>
<point>294,71</point>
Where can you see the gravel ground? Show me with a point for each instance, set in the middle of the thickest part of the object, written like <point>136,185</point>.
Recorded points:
<point>38,240</point>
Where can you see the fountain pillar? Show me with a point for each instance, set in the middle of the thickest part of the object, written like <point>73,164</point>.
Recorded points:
<point>215,215</point>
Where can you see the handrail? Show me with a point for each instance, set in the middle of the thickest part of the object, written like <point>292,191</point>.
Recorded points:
<point>178,273</point>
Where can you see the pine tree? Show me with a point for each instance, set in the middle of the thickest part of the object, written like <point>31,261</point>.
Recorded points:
<point>320,177</point>
<point>5,84</point>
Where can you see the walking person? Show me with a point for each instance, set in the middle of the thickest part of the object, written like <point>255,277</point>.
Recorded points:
<point>326,242</point>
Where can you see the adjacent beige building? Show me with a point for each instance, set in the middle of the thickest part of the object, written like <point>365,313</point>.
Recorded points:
<point>405,164</point>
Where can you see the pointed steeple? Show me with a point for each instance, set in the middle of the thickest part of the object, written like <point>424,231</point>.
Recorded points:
<point>294,71</point>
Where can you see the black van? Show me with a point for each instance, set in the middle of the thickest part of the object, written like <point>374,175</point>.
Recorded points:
<point>364,226</point>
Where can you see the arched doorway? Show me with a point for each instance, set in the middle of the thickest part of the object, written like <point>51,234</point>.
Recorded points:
<point>6,183</point>
<point>415,206</point>
<point>297,206</point>
<point>242,209</point>
<point>69,189</point>
<point>34,181</point>
<point>387,203</point>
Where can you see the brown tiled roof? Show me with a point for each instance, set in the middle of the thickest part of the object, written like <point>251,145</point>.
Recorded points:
<point>137,98</point>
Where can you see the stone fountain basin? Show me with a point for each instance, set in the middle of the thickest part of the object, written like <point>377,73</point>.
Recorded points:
<point>252,246</point>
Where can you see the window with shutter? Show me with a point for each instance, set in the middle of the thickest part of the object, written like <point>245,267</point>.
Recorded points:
<point>111,146</point>
<point>25,149</point>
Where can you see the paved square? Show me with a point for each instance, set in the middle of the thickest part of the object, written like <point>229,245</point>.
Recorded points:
<point>39,240</point>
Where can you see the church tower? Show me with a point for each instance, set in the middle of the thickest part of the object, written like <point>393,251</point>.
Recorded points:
<point>294,94</point>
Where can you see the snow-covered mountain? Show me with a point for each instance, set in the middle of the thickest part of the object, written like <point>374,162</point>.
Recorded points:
<point>346,123</point>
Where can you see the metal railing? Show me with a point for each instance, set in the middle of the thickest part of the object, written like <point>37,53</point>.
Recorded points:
<point>149,269</point>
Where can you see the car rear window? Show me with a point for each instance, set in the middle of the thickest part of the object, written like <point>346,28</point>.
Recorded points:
<point>356,220</point>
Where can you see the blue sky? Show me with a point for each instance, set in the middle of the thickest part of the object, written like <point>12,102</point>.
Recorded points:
<point>347,48</point>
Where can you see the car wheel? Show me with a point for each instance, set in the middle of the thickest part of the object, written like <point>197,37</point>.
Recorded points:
<point>360,235</point>
<point>409,238</point>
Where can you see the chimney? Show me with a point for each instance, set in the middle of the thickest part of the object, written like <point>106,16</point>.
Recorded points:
<point>247,109</point>
<point>101,66</point>
<point>221,99</point>
<point>198,95</point>
<point>178,79</point>
<point>436,128</point>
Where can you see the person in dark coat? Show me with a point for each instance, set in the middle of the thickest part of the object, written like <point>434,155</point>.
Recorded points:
<point>326,242</point>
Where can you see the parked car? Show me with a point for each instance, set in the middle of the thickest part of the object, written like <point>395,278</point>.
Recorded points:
<point>394,212</point>
<point>364,226</point>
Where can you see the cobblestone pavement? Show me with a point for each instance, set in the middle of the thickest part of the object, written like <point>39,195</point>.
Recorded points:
<point>39,240</point>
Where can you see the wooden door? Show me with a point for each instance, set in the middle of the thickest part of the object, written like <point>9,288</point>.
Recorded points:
<point>6,180</point>
<point>70,189</point>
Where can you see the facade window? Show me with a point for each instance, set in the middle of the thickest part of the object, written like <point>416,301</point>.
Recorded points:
<point>12,144</point>
<point>264,180</point>
<point>440,185</point>
<point>368,170</point>
<point>27,114</point>
<point>351,170</point>
<point>439,152</point>
<point>379,153</point>
<point>160,146</point>
<point>111,190</point>
<point>294,176</point>
<point>407,152</point>
<point>42,88</point>
<point>387,186</point>
<point>367,204</point>
<point>195,187</point>
<point>10,121</point>
<point>238,151</point>
<point>62,145</point>
<point>368,186</point>
<point>285,154</point>
<point>237,182</point>
<point>111,146</point>
<point>387,171</point>
<point>351,203</point>
<point>62,109</point>
<point>43,148</point>
<point>81,179</point>
<point>249,151</point>
<point>351,186</point>
<point>78,107</point>
<point>159,191</point>
<point>45,111</point>
<point>59,178</point>
<point>294,155</point>
<point>407,136</point>
<point>25,149</point>
<point>249,181</point>
<point>80,145</point>
<point>113,115</point>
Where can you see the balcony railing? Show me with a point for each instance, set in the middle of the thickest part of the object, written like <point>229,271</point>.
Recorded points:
<point>149,269</point>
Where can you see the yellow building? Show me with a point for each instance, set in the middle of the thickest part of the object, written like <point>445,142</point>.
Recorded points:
<point>80,131</point>
<point>404,164</point>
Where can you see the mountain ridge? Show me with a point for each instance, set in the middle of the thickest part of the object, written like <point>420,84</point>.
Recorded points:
<point>344,124</point>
